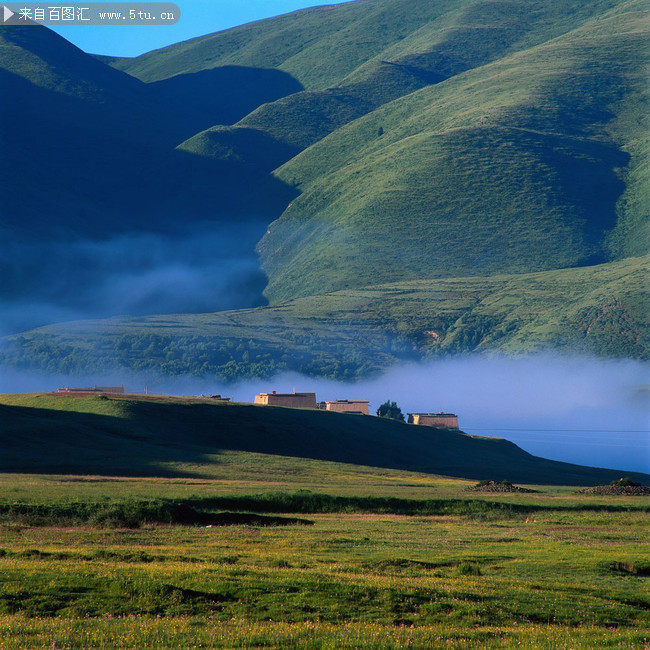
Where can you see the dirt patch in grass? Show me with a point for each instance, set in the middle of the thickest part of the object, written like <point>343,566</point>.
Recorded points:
<point>617,490</point>
<point>496,486</point>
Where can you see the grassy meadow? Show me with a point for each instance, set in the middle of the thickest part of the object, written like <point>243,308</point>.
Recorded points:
<point>381,558</point>
<point>569,577</point>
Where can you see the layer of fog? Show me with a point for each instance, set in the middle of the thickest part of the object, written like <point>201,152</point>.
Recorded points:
<point>578,410</point>
<point>133,274</point>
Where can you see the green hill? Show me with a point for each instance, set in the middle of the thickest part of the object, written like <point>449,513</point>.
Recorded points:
<point>101,160</point>
<point>319,46</point>
<point>426,146</point>
<point>131,435</point>
<point>425,45</point>
<point>352,333</point>
<point>95,191</point>
<point>509,167</point>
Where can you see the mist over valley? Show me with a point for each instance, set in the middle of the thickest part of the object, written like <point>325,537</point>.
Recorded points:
<point>579,410</point>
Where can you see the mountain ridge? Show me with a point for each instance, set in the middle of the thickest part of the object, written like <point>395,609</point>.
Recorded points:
<point>306,117</point>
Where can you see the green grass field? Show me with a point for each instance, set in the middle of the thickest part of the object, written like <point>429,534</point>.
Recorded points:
<point>322,553</point>
<point>569,572</point>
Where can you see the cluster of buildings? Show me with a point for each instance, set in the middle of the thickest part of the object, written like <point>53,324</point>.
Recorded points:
<point>357,406</point>
<point>307,401</point>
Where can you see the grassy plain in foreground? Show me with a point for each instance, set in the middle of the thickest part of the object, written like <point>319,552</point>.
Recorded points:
<point>571,570</point>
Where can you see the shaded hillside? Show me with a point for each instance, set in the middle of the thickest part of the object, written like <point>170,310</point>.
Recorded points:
<point>223,95</point>
<point>94,189</point>
<point>100,153</point>
<point>354,333</point>
<point>43,433</point>
<point>101,158</point>
<point>506,167</point>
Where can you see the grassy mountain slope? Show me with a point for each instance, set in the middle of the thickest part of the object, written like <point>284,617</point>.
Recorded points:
<point>131,435</point>
<point>98,158</point>
<point>318,46</point>
<point>517,165</point>
<point>449,139</point>
<point>437,41</point>
<point>87,102</point>
<point>349,334</point>
<point>222,95</point>
<point>323,46</point>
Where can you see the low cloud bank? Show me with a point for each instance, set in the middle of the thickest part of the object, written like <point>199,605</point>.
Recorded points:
<point>136,274</point>
<point>579,410</point>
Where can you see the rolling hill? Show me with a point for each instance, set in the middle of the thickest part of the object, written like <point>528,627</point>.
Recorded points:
<point>353,333</point>
<point>95,192</point>
<point>503,168</point>
<point>145,436</point>
<point>426,44</point>
<point>471,146</point>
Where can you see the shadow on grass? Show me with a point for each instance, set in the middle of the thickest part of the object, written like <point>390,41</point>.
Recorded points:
<point>150,438</point>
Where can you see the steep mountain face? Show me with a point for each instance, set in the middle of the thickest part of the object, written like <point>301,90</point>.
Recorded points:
<point>93,144</point>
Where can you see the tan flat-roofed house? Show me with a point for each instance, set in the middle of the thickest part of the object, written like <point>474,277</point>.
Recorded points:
<point>348,406</point>
<point>295,400</point>
<point>439,420</point>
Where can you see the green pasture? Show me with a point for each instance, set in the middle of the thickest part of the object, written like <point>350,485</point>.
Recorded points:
<point>567,570</point>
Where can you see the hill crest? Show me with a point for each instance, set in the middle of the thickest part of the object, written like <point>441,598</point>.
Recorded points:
<point>133,435</point>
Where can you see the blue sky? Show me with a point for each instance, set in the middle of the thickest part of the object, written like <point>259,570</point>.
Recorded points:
<point>198,17</point>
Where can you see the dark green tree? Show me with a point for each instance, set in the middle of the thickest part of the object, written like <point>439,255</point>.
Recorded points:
<point>390,410</point>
